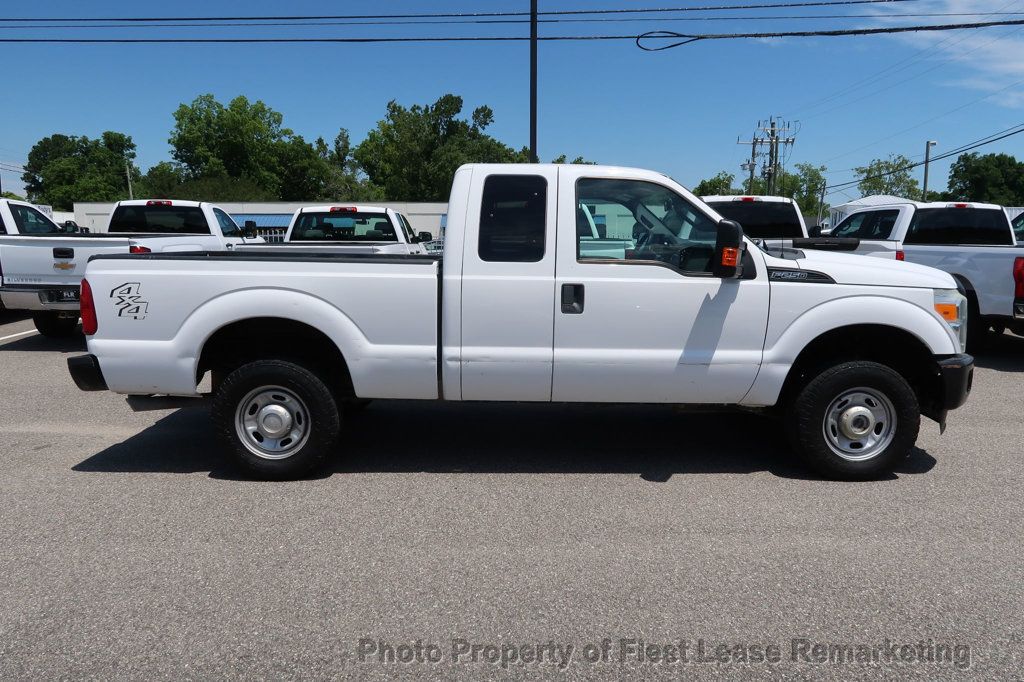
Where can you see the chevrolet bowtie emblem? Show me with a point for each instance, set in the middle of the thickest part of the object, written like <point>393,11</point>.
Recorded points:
<point>63,266</point>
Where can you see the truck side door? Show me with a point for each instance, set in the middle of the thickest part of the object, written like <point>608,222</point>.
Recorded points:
<point>638,315</point>
<point>508,270</point>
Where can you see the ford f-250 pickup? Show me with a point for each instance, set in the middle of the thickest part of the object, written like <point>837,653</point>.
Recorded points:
<point>526,304</point>
<point>41,264</point>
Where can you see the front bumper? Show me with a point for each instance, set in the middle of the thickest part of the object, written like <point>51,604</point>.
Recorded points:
<point>85,370</point>
<point>957,372</point>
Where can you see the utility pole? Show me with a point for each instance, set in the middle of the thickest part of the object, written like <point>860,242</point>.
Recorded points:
<point>927,158</point>
<point>533,81</point>
<point>128,174</point>
<point>773,131</point>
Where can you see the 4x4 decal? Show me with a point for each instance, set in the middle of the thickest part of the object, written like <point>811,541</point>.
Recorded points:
<point>128,301</point>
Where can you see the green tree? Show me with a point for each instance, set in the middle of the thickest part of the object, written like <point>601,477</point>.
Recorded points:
<point>413,153</point>
<point>63,169</point>
<point>578,161</point>
<point>993,178</point>
<point>345,180</point>
<point>804,187</point>
<point>719,184</point>
<point>161,181</point>
<point>12,195</point>
<point>888,176</point>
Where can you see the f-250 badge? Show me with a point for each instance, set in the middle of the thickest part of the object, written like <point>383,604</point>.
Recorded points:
<point>128,301</point>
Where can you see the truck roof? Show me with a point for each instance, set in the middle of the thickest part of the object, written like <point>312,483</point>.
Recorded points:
<point>930,204</point>
<point>746,197</point>
<point>355,208</point>
<point>166,202</point>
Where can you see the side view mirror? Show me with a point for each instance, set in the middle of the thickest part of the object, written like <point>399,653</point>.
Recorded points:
<point>70,226</point>
<point>728,258</point>
<point>424,237</point>
<point>814,231</point>
<point>249,230</point>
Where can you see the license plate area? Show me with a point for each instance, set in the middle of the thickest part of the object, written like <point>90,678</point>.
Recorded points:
<point>68,295</point>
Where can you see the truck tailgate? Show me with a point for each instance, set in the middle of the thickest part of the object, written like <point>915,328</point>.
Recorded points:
<point>51,261</point>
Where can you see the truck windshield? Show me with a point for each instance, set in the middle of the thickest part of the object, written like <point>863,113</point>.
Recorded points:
<point>344,227</point>
<point>762,219</point>
<point>959,226</point>
<point>159,219</point>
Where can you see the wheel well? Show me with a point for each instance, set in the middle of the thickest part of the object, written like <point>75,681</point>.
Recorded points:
<point>259,338</point>
<point>890,346</point>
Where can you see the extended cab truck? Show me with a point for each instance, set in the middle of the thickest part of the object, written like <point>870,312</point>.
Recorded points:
<point>41,264</point>
<point>352,229</point>
<point>974,242</point>
<point>523,306</point>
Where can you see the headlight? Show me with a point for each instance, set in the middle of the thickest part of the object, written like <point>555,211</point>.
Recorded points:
<point>951,306</point>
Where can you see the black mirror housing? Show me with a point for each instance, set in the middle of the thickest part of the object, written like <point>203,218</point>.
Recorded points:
<point>728,258</point>
<point>424,237</point>
<point>814,232</point>
<point>249,229</point>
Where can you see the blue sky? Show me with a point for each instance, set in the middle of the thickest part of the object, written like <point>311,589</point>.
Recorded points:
<point>678,111</point>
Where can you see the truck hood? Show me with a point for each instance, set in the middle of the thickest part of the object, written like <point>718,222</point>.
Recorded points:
<point>846,268</point>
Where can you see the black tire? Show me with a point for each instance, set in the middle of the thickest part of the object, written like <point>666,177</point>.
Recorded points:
<point>807,413</point>
<point>52,325</point>
<point>311,410</point>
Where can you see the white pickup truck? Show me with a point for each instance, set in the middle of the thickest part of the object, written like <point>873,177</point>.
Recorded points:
<point>776,221</point>
<point>526,305</point>
<point>351,229</point>
<point>974,242</point>
<point>41,264</point>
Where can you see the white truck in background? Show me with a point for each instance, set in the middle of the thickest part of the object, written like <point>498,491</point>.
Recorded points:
<point>351,229</point>
<point>530,305</point>
<point>972,241</point>
<point>41,263</point>
<point>776,221</point>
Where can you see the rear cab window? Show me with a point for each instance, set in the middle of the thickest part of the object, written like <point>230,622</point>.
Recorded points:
<point>868,225</point>
<point>31,221</point>
<point>159,219</point>
<point>512,219</point>
<point>974,226</point>
<point>762,219</point>
<point>344,226</point>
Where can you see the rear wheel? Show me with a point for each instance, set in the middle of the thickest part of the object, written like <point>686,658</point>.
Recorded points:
<point>56,325</point>
<point>854,421</point>
<point>277,419</point>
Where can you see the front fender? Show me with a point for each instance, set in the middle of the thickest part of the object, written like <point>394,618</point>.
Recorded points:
<point>785,342</point>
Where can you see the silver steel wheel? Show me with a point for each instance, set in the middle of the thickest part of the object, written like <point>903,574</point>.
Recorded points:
<point>272,422</point>
<point>859,424</point>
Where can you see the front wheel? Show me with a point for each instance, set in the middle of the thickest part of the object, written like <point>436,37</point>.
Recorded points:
<point>854,421</point>
<point>55,325</point>
<point>278,420</point>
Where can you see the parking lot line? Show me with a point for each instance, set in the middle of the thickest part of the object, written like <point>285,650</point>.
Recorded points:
<point>19,334</point>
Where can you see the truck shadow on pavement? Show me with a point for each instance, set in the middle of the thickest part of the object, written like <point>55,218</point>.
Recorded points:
<point>1004,353</point>
<point>38,344</point>
<point>403,437</point>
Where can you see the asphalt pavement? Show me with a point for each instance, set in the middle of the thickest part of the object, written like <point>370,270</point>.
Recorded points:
<point>491,541</point>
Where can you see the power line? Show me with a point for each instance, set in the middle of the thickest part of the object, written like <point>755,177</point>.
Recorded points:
<point>984,141</point>
<point>651,35</point>
<point>454,15</point>
<point>471,22</point>
<point>686,39</point>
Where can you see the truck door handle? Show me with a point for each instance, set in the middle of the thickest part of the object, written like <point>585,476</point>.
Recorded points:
<point>63,253</point>
<point>572,299</point>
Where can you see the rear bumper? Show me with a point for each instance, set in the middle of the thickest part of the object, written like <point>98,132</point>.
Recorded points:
<point>85,370</point>
<point>38,298</point>
<point>957,372</point>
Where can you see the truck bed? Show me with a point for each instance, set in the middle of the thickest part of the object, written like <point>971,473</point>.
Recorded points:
<point>386,307</point>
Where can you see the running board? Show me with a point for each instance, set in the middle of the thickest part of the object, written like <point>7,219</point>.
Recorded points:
<point>148,403</point>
